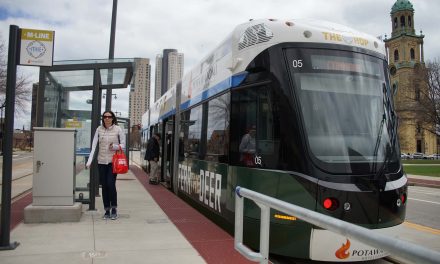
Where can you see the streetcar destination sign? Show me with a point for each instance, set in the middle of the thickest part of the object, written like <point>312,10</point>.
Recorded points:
<point>36,47</point>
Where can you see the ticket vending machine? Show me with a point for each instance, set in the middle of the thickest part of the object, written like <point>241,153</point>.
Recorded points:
<point>54,166</point>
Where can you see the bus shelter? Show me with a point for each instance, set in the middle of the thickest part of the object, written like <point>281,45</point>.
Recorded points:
<point>70,95</point>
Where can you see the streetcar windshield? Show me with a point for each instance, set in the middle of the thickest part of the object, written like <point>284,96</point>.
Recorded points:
<point>345,103</point>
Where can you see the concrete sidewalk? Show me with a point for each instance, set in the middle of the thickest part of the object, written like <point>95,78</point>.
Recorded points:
<point>142,234</point>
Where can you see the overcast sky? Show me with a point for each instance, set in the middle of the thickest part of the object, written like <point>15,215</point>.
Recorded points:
<point>194,27</point>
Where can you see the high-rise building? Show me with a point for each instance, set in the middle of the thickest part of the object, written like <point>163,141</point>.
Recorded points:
<point>175,68</point>
<point>406,64</point>
<point>140,90</point>
<point>158,78</point>
<point>169,70</point>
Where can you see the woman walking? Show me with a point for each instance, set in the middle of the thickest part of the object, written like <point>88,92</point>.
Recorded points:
<point>110,137</point>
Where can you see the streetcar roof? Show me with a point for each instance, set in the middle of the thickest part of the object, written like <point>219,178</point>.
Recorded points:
<point>310,30</point>
<point>225,66</point>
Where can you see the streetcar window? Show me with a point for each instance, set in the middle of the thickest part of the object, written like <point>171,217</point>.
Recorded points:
<point>191,126</point>
<point>345,105</point>
<point>255,129</point>
<point>243,119</point>
<point>218,129</point>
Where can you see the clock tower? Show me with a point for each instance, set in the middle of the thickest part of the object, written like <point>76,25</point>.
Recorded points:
<point>407,67</point>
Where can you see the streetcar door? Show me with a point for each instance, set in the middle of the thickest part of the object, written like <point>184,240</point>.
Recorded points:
<point>168,146</point>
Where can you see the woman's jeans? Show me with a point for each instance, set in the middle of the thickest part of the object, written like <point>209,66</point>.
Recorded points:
<point>107,179</point>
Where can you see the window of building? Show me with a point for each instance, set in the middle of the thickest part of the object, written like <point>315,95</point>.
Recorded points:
<point>413,54</point>
<point>419,145</point>
<point>409,21</point>
<point>417,93</point>
<point>396,55</point>
<point>402,21</point>
<point>395,22</point>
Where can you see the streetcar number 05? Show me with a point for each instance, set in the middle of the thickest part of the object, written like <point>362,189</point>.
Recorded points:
<point>297,63</point>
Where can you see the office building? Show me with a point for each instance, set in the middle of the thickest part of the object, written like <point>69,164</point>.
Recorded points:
<point>140,90</point>
<point>158,78</point>
<point>169,70</point>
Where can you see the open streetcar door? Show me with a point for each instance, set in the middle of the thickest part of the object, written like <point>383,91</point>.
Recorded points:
<point>167,151</point>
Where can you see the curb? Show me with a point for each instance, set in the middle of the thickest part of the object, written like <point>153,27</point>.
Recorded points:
<point>423,183</point>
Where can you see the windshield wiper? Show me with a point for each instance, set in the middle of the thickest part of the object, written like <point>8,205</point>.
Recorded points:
<point>380,132</point>
<point>390,148</point>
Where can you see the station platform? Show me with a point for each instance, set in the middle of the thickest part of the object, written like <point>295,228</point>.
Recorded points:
<point>154,226</point>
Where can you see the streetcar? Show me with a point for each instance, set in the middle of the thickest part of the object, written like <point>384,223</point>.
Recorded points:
<point>299,110</point>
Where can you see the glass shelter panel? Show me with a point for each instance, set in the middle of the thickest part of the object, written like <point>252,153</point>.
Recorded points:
<point>67,104</point>
<point>73,78</point>
<point>69,93</point>
<point>112,76</point>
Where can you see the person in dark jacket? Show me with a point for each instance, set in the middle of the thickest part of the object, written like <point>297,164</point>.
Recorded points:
<point>152,155</point>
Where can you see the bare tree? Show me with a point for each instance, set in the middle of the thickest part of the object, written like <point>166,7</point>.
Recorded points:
<point>430,98</point>
<point>23,90</point>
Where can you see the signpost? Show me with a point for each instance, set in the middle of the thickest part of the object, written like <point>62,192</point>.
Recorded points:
<point>27,47</point>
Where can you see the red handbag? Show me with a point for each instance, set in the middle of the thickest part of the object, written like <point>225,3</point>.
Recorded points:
<point>248,159</point>
<point>119,161</point>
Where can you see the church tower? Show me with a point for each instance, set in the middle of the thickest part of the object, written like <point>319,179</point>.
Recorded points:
<point>407,66</point>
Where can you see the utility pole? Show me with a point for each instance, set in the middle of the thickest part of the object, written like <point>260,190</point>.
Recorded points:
<point>13,51</point>
<point>111,55</point>
<point>108,102</point>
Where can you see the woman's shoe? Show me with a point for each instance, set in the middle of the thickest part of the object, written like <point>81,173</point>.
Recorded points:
<point>106,215</point>
<point>114,214</point>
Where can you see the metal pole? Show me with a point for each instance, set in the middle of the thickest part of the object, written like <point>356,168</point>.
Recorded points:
<point>111,54</point>
<point>14,37</point>
<point>1,131</point>
<point>96,109</point>
<point>39,109</point>
<point>177,139</point>
<point>127,140</point>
